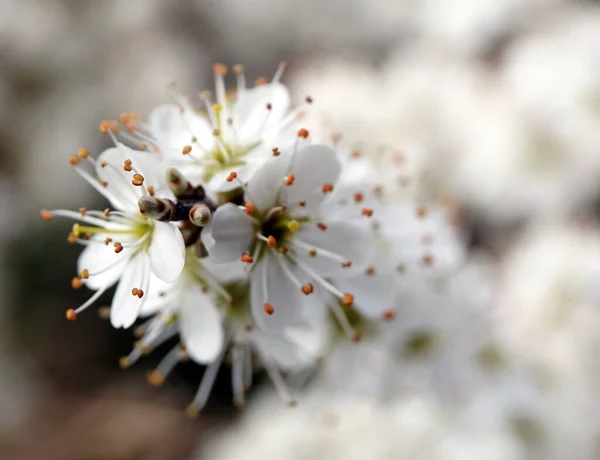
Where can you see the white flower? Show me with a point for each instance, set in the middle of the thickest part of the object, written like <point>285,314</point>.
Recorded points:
<point>238,131</point>
<point>123,246</point>
<point>285,234</point>
<point>211,321</point>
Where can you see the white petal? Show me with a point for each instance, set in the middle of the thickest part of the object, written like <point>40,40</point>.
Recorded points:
<point>373,294</point>
<point>167,251</point>
<point>270,284</point>
<point>125,306</point>
<point>229,234</point>
<point>347,241</point>
<point>251,115</point>
<point>101,259</point>
<point>174,130</point>
<point>160,296</point>
<point>200,325</point>
<point>289,355</point>
<point>312,167</point>
<point>119,181</point>
<point>267,180</point>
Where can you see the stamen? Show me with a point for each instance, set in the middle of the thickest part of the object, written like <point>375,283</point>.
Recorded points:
<point>246,258</point>
<point>289,179</point>
<point>279,72</point>
<point>389,315</point>
<point>268,308</point>
<point>320,251</point>
<point>164,368</point>
<point>322,226</point>
<point>46,215</point>
<point>249,208</point>
<point>208,380</point>
<point>308,288</point>
<point>327,188</point>
<point>303,133</point>
<point>237,376</point>
<point>368,212</point>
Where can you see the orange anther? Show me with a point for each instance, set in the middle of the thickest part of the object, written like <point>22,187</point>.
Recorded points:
<point>219,69</point>
<point>357,337</point>
<point>187,149</point>
<point>307,288</point>
<point>358,197</point>
<point>261,81</point>
<point>312,253</point>
<point>275,151</point>
<point>322,226</point>
<point>46,215</point>
<point>268,308</point>
<point>283,250</point>
<point>346,264</point>
<point>150,190</point>
<point>289,179</point>
<point>370,270</point>
<point>72,238</point>
<point>76,283</point>
<point>389,315</point>
<point>327,188</point>
<point>421,212</point>
<point>249,208</point>
<point>85,274</point>
<point>73,160</point>
<point>103,164</point>
<point>247,259</point>
<point>303,133</point>
<point>368,212</point>
<point>271,241</point>
<point>71,315</point>
<point>348,300</point>
<point>83,153</point>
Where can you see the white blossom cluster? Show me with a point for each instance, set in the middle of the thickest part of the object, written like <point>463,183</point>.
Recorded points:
<point>229,228</point>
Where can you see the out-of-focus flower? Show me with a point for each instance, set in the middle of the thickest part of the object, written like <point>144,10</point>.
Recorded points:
<point>123,246</point>
<point>547,308</point>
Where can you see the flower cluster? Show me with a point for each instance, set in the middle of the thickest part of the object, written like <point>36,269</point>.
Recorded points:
<point>229,230</point>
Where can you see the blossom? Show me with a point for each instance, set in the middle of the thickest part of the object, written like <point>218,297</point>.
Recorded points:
<point>237,130</point>
<point>211,321</point>
<point>122,245</point>
<point>283,234</point>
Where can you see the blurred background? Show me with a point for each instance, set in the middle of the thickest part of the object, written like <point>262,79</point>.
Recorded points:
<point>494,103</point>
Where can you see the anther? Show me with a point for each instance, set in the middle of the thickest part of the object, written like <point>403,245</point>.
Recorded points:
<point>282,250</point>
<point>216,132</point>
<point>301,203</point>
<point>72,238</point>
<point>73,160</point>
<point>83,153</point>
<point>271,241</point>
<point>269,106</point>
<point>358,197</point>
<point>135,291</point>
<point>312,253</point>
<point>289,179</point>
<point>238,69</point>
<point>118,247</point>
<point>248,259</point>
<point>261,81</point>
<point>103,164</point>
<point>308,99</point>
<point>155,378</point>
<point>124,362</point>
<point>151,191</point>
<point>428,260</point>
<point>85,274</point>
<point>400,268</point>
<point>138,180</point>
<point>275,151</point>
<point>293,226</point>
<point>348,300</point>
<point>356,154</point>
<point>322,226</point>
<point>347,264</point>
<point>107,212</point>
<point>200,214</point>
<point>357,337</point>
<point>303,133</point>
<point>389,315</point>
<point>219,69</point>
<point>268,308</point>
<point>327,188</point>
<point>70,314</point>
<point>249,208</point>
<point>368,212</point>
<point>82,212</point>
<point>307,288</point>
<point>108,240</point>
<point>232,176</point>
<point>378,190</point>
<point>46,215</point>
<point>76,283</point>
<point>186,150</point>
<point>421,212</point>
